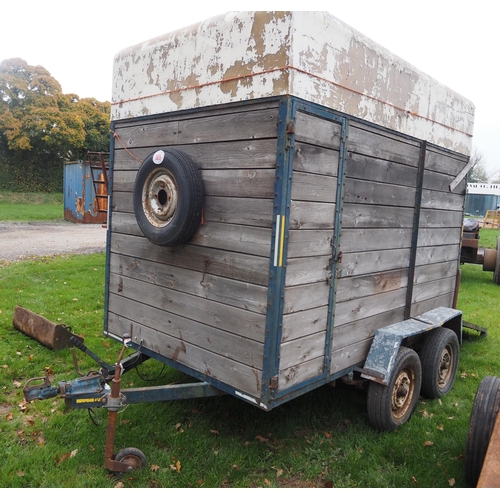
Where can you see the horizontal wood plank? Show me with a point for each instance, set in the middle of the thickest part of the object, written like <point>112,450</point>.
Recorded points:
<point>315,130</point>
<point>315,159</point>
<point>300,271</point>
<point>301,350</point>
<point>424,291</point>
<point>243,211</point>
<point>442,201</point>
<point>366,216</point>
<point>304,323</point>
<point>313,187</point>
<point>439,236</point>
<point>310,215</point>
<point>365,239</point>
<point>202,284</point>
<point>246,268</point>
<point>377,193</point>
<point>364,329</point>
<point>352,355</point>
<point>298,374</point>
<point>245,324</point>
<point>249,183</point>
<point>210,156</point>
<point>307,243</point>
<point>357,263</point>
<point>303,297</point>
<point>377,170</point>
<point>234,238</point>
<point>436,181</point>
<point>439,218</point>
<point>357,309</point>
<point>445,300</point>
<point>374,143</point>
<point>423,274</point>
<point>211,128</point>
<point>443,253</point>
<point>350,288</point>
<point>445,163</point>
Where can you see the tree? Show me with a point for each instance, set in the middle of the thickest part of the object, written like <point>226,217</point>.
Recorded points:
<point>478,171</point>
<point>40,127</point>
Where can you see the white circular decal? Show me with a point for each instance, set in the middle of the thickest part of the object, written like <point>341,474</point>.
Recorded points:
<point>158,157</point>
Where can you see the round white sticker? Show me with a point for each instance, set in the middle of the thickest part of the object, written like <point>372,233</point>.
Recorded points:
<point>158,157</point>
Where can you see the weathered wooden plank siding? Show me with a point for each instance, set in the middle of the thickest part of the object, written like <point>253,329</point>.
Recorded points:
<point>202,304</point>
<point>219,366</point>
<point>378,211</point>
<point>312,215</point>
<point>440,230</point>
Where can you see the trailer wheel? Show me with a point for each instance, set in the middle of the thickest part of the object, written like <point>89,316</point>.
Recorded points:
<point>482,420</point>
<point>133,457</point>
<point>392,405</point>
<point>439,358</point>
<point>168,197</point>
<point>496,273</point>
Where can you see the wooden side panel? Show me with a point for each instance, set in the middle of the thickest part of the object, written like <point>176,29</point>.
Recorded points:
<point>312,215</point>
<point>378,210</point>
<point>440,231</point>
<point>202,304</point>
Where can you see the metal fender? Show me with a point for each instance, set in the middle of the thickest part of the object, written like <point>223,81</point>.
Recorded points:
<point>387,341</point>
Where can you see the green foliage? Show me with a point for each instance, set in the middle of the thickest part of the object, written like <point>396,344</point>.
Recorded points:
<point>40,127</point>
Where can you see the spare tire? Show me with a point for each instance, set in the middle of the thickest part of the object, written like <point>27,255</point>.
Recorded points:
<point>168,197</point>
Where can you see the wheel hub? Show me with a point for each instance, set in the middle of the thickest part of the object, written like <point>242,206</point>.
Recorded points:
<point>402,394</point>
<point>160,198</point>
<point>132,462</point>
<point>446,363</point>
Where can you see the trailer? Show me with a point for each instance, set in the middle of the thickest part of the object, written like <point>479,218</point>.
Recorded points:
<point>286,207</point>
<point>472,253</point>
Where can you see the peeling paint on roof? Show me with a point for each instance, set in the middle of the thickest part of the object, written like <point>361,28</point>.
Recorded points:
<point>312,55</point>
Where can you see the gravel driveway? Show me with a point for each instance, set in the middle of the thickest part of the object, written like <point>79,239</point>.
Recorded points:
<point>21,240</point>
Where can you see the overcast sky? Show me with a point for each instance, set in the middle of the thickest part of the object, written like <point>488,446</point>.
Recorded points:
<point>456,42</point>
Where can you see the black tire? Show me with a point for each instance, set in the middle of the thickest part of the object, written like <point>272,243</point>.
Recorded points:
<point>392,405</point>
<point>133,457</point>
<point>439,358</point>
<point>482,420</point>
<point>168,197</point>
<point>496,273</point>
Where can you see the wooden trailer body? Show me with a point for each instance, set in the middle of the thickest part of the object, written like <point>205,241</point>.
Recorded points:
<point>327,211</point>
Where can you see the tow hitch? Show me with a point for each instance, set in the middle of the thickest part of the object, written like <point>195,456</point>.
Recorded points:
<point>103,390</point>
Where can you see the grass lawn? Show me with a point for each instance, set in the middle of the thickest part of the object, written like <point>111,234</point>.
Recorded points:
<point>321,439</point>
<point>31,206</point>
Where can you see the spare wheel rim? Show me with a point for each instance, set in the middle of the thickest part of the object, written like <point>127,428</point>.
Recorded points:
<point>160,198</point>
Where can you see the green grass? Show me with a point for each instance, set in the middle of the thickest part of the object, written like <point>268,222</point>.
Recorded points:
<point>321,439</point>
<point>31,206</point>
<point>488,238</point>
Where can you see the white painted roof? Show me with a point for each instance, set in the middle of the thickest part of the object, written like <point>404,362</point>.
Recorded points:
<point>312,55</point>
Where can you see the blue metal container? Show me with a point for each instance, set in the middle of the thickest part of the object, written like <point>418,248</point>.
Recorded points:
<point>80,204</point>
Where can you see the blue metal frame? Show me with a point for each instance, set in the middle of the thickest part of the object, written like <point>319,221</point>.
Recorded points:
<point>271,395</point>
<point>108,229</point>
<point>279,246</point>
